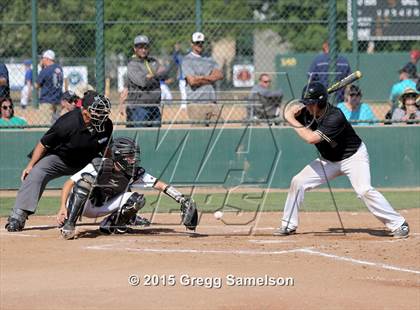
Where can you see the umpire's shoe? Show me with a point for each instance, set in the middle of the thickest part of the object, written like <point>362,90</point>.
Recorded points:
<point>284,231</point>
<point>16,221</point>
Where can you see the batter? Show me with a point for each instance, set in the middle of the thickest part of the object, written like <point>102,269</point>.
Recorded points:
<point>342,152</point>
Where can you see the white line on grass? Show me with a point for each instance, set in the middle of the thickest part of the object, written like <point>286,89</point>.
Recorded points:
<point>358,261</point>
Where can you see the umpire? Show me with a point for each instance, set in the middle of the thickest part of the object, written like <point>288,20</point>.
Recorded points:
<point>70,144</point>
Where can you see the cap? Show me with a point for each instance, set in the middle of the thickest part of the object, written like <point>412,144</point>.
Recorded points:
<point>141,39</point>
<point>415,54</point>
<point>69,96</point>
<point>89,98</point>
<point>49,54</point>
<point>409,91</point>
<point>82,88</point>
<point>197,37</point>
<point>27,62</point>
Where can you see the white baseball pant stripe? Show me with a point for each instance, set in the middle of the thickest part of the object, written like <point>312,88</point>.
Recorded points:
<point>357,169</point>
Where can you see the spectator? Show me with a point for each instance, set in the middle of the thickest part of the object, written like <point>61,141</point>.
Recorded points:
<point>142,86</point>
<point>412,65</point>
<point>50,82</point>
<point>80,91</point>
<point>8,117</point>
<point>201,73</point>
<point>319,70</point>
<point>69,101</point>
<point>4,81</point>
<point>409,110</point>
<point>166,95</point>
<point>269,100</point>
<point>354,109</point>
<point>177,58</point>
<point>27,88</point>
<point>398,88</point>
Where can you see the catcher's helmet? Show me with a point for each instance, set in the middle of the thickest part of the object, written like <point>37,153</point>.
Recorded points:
<point>99,108</point>
<point>315,93</point>
<point>126,153</point>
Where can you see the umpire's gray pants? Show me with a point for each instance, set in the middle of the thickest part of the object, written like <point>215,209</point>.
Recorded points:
<point>48,168</point>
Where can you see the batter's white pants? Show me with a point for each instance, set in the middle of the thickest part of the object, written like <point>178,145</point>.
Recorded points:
<point>107,208</point>
<point>357,169</point>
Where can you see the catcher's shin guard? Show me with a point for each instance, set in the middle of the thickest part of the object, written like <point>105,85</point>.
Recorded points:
<point>75,204</point>
<point>117,222</point>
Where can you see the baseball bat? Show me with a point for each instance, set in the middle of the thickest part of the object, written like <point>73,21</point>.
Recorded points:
<point>344,82</point>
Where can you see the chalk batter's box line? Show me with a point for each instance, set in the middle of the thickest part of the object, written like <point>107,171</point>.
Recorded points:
<point>309,251</point>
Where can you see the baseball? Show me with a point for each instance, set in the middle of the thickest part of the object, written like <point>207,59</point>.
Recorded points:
<point>218,215</point>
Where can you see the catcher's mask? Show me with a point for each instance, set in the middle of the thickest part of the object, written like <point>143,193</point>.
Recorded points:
<point>126,154</point>
<point>315,93</point>
<point>99,108</point>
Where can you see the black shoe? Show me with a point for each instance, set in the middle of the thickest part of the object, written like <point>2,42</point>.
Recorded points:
<point>68,231</point>
<point>139,221</point>
<point>14,225</point>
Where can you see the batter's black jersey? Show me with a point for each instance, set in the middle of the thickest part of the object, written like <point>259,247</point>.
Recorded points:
<point>339,140</point>
<point>74,142</point>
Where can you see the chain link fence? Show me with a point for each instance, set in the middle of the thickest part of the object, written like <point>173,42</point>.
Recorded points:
<point>245,39</point>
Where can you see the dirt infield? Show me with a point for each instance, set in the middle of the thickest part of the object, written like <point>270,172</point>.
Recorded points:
<point>316,268</point>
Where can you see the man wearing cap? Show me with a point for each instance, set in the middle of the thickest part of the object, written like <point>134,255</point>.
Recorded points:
<point>69,101</point>
<point>201,73</point>
<point>50,83</point>
<point>70,144</point>
<point>398,88</point>
<point>142,92</point>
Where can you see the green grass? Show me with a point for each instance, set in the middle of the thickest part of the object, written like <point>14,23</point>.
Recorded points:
<point>314,201</point>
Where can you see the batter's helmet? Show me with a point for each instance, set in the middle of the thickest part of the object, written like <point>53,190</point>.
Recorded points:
<point>126,153</point>
<point>315,93</point>
<point>99,108</point>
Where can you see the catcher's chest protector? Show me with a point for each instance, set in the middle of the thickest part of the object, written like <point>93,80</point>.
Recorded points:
<point>109,183</point>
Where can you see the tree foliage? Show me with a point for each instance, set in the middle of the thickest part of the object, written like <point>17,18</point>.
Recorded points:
<point>68,26</point>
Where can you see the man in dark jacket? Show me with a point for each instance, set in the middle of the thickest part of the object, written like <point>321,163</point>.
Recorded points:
<point>142,86</point>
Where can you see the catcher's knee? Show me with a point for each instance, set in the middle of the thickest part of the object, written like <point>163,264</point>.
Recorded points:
<point>136,200</point>
<point>117,222</point>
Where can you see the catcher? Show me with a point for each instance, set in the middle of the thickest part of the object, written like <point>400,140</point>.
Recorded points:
<point>104,187</point>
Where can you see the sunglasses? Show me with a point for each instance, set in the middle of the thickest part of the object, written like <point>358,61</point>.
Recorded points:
<point>354,95</point>
<point>200,43</point>
<point>7,107</point>
<point>266,81</point>
<point>141,46</point>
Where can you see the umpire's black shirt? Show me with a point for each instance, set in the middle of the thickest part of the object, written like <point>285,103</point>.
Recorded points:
<point>339,140</point>
<point>74,142</point>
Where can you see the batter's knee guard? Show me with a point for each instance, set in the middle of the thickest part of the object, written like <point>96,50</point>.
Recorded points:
<point>76,202</point>
<point>117,222</point>
<point>16,220</point>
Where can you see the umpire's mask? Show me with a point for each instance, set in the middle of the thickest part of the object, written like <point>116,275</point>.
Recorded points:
<point>126,154</point>
<point>99,108</point>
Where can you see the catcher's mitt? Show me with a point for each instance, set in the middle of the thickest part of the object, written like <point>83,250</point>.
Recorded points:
<point>189,214</point>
